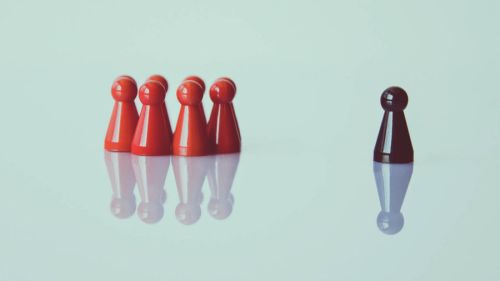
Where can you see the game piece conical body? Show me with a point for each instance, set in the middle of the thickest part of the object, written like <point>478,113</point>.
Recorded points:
<point>124,117</point>
<point>152,137</point>
<point>392,183</point>
<point>393,142</point>
<point>223,129</point>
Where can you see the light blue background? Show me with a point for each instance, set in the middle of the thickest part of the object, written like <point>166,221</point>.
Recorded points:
<point>309,76</point>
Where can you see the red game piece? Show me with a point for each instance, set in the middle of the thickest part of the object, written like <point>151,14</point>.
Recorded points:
<point>164,83</point>
<point>150,173</point>
<point>223,129</point>
<point>202,83</point>
<point>190,173</point>
<point>190,137</point>
<point>220,179</point>
<point>124,117</point>
<point>393,142</point>
<point>151,136</point>
<point>122,180</point>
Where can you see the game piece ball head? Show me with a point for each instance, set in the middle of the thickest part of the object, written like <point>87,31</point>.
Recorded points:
<point>160,79</point>
<point>223,91</point>
<point>124,88</point>
<point>152,93</point>
<point>394,99</point>
<point>198,80</point>
<point>190,93</point>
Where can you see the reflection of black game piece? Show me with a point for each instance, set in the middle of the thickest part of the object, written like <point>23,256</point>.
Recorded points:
<point>392,182</point>
<point>220,179</point>
<point>190,173</point>
<point>122,179</point>
<point>150,173</point>
<point>393,142</point>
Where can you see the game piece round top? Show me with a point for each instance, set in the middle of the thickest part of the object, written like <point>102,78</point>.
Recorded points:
<point>197,80</point>
<point>159,78</point>
<point>223,90</point>
<point>394,99</point>
<point>124,88</point>
<point>190,92</point>
<point>152,93</point>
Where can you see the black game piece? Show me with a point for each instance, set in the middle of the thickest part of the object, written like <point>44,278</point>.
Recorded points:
<point>393,142</point>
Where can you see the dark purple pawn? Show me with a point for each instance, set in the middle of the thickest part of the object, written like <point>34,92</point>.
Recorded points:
<point>393,142</point>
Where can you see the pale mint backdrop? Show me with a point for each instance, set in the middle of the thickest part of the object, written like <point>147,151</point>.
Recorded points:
<point>309,77</point>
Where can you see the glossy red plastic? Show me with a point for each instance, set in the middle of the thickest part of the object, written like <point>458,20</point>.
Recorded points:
<point>164,83</point>
<point>124,117</point>
<point>223,129</point>
<point>200,81</point>
<point>151,136</point>
<point>190,137</point>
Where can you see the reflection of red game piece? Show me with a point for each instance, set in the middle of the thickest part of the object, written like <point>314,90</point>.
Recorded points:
<point>152,136</point>
<point>190,137</point>
<point>220,179</point>
<point>122,181</point>
<point>150,173</point>
<point>164,83</point>
<point>223,129</point>
<point>124,117</point>
<point>190,173</point>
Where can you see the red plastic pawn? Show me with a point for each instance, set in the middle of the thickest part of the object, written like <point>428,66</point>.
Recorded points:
<point>164,83</point>
<point>223,129</point>
<point>124,117</point>
<point>151,136</point>
<point>200,81</point>
<point>190,137</point>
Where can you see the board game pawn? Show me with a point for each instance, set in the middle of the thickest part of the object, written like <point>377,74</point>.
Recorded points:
<point>164,83</point>
<point>220,179</point>
<point>124,116</point>
<point>150,173</point>
<point>392,183</point>
<point>190,136</point>
<point>121,176</point>
<point>200,81</point>
<point>393,142</point>
<point>152,137</point>
<point>223,129</point>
